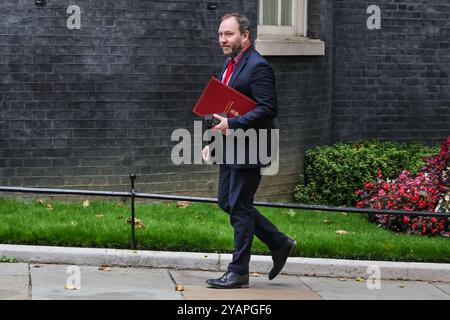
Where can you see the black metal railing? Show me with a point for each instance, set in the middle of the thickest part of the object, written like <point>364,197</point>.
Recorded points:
<point>133,195</point>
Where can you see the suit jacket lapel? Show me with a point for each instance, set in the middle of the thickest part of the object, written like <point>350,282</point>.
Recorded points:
<point>239,67</point>
<point>236,72</point>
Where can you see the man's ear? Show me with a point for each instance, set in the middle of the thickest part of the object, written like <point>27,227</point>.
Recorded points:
<point>246,35</point>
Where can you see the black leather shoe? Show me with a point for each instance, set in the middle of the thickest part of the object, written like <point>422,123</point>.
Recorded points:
<point>280,256</point>
<point>229,280</point>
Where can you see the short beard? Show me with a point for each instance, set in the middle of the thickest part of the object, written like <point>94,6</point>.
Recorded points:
<point>233,53</point>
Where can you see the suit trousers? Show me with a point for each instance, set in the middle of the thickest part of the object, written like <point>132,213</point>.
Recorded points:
<point>237,188</point>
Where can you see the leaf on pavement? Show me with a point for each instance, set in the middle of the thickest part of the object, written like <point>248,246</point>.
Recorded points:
<point>179,288</point>
<point>70,287</point>
<point>360,279</point>
<point>104,268</point>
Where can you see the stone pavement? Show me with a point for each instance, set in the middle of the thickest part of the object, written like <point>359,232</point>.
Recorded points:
<point>218,262</point>
<point>25,281</point>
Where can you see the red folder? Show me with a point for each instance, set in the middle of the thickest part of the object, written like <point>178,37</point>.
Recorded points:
<point>221,98</point>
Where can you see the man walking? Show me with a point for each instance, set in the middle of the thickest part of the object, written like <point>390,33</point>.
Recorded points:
<point>248,72</point>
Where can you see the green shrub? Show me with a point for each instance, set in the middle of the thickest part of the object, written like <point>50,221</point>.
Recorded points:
<point>333,173</point>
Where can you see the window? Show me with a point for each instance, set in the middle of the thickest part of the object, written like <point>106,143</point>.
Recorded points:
<point>283,17</point>
<point>282,29</point>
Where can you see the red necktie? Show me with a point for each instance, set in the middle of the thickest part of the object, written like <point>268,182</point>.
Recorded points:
<point>229,71</point>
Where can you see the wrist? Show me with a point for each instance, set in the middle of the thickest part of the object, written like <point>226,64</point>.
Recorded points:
<point>232,123</point>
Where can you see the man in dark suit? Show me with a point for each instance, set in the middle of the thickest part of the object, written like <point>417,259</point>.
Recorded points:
<point>248,72</point>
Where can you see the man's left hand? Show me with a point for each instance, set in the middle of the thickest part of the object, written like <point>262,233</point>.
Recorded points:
<point>223,125</point>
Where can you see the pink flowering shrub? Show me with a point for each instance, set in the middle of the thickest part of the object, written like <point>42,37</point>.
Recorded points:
<point>428,190</point>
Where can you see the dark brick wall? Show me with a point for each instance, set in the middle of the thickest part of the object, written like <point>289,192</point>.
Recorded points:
<point>85,108</point>
<point>392,83</point>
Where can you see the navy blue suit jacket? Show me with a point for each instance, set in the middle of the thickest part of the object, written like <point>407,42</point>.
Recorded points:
<point>254,77</point>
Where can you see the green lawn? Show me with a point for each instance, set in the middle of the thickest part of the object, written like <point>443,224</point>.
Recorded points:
<point>205,228</point>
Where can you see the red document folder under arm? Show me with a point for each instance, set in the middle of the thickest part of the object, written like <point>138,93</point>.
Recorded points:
<point>220,98</point>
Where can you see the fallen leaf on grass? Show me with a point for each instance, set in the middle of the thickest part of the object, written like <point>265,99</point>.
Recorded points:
<point>40,201</point>
<point>74,223</point>
<point>344,213</point>
<point>327,221</point>
<point>341,232</point>
<point>179,288</point>
<point>183,204</point>
<point>99,216</point>
<point>137,223</point>
<point>49,206</point>
<point>86,203</point>
<point>291,212</point>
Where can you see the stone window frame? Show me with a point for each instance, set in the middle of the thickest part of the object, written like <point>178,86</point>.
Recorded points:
<point>288,40</point>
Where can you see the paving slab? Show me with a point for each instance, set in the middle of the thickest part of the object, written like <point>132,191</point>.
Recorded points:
<point>351,289</point>
<point>444,286</point>
<point>56,281</point>
<point>14,281</point>
<point>14,288</point>
<point>14,269</point>
<point>281,288</point>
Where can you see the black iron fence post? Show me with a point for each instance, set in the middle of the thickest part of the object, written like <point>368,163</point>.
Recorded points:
<point>133,197</point>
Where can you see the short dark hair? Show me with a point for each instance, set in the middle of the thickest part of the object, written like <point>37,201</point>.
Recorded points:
<point>244,24</point>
